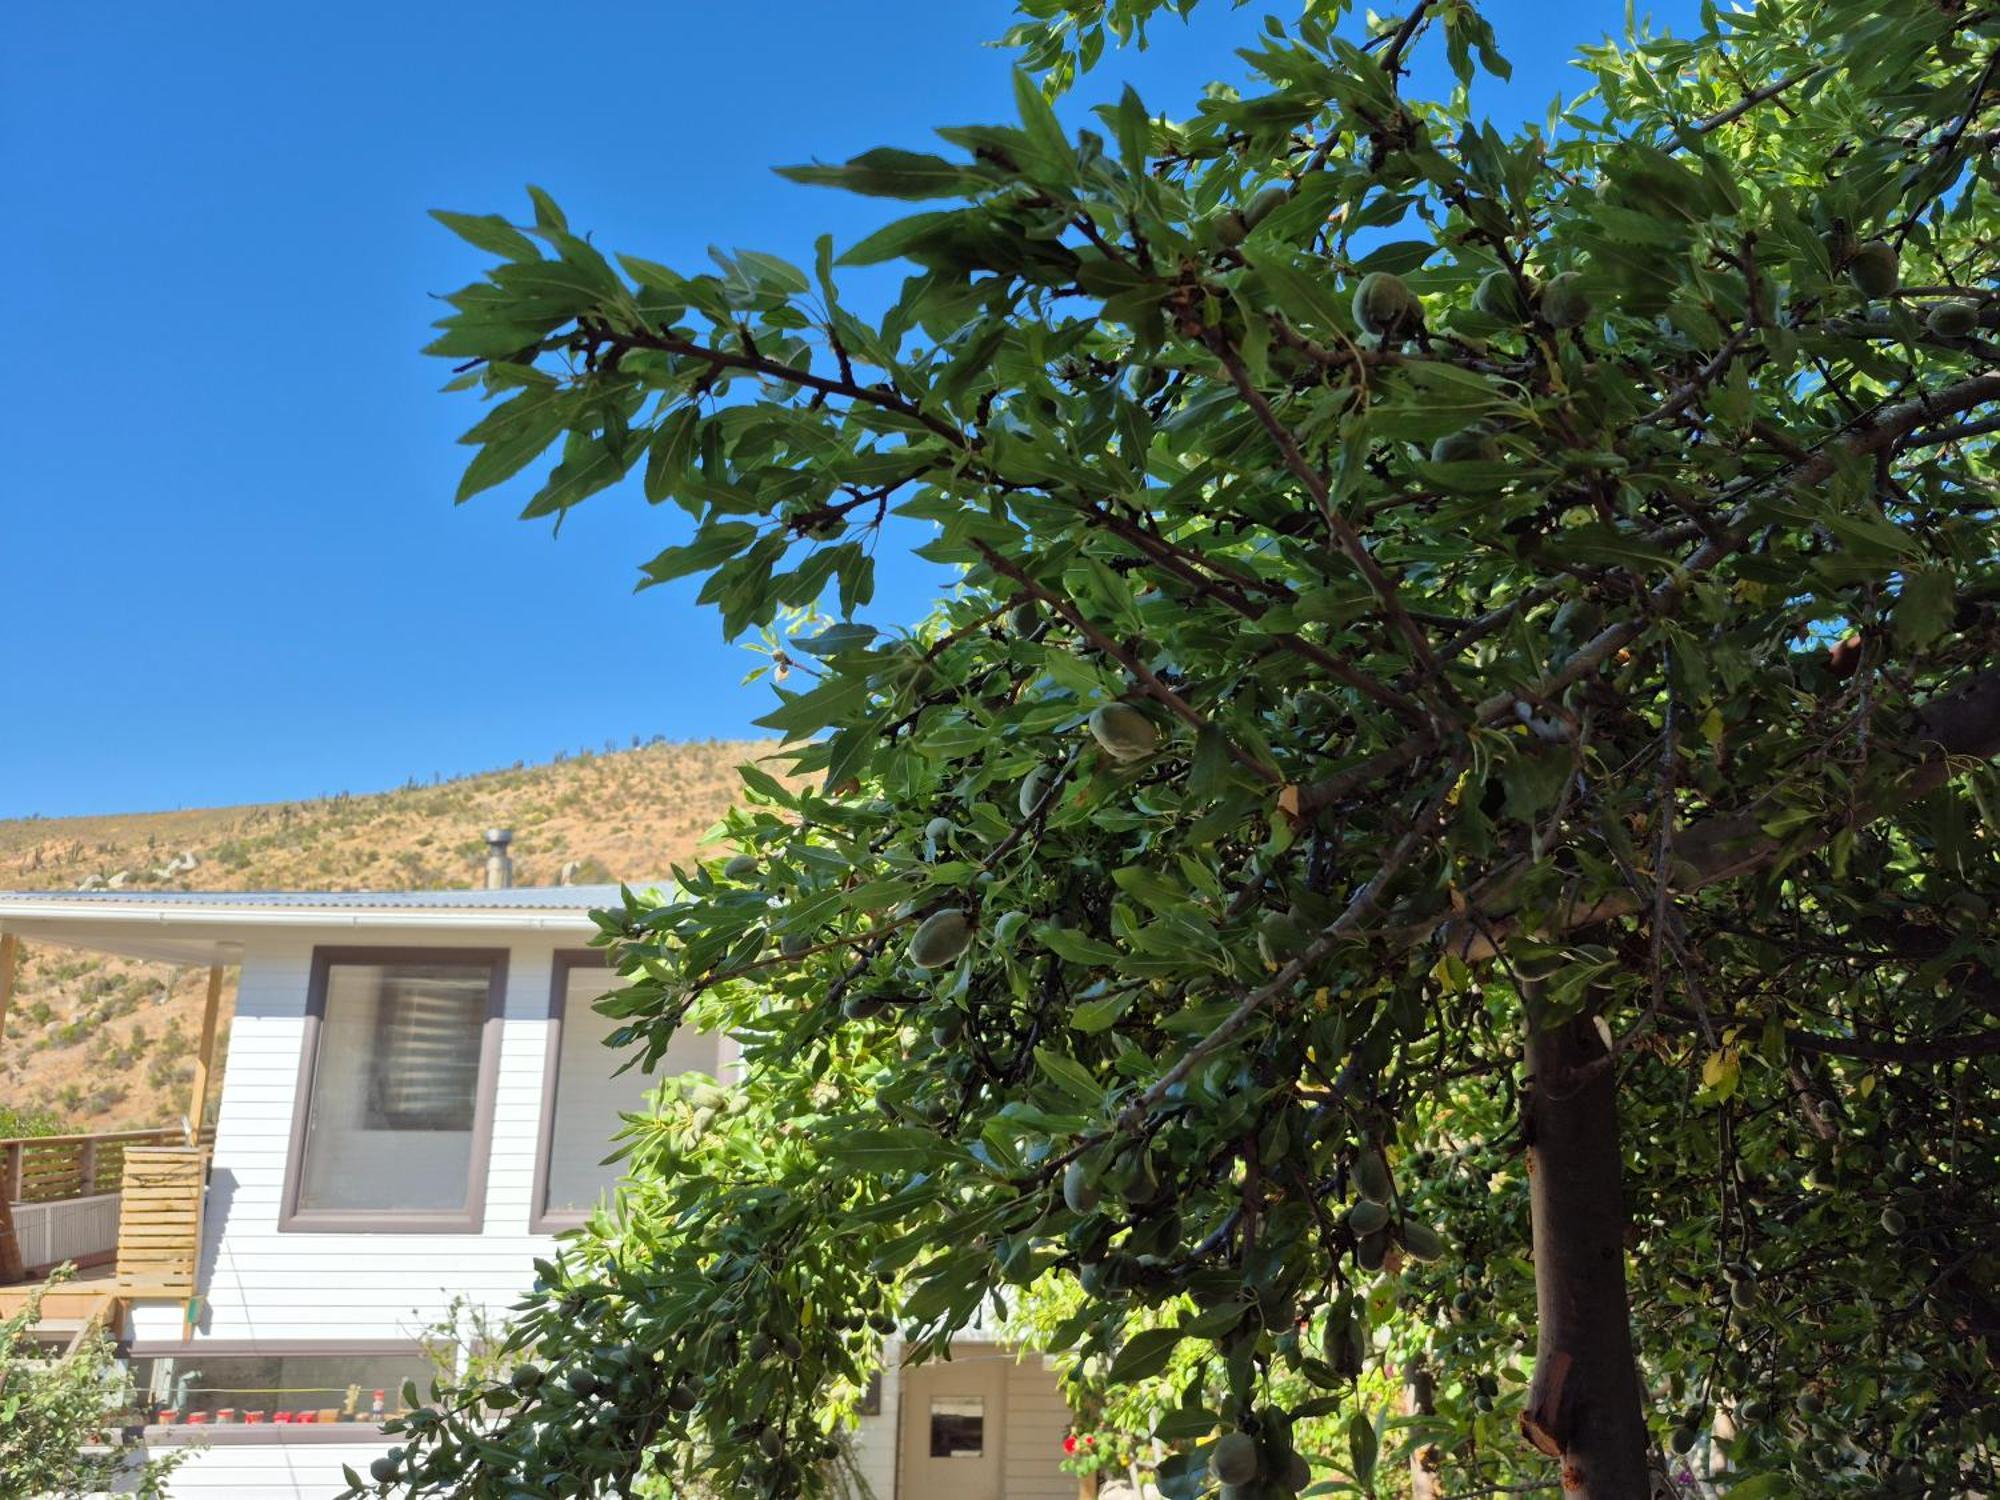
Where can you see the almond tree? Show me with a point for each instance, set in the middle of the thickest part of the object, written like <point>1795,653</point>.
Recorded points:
<point>1446,815</point>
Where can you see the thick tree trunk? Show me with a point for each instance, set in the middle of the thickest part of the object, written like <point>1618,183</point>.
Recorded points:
<point>1584,1406</point>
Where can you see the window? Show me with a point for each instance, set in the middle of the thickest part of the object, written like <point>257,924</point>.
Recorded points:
<point>958,1426</point>
<point>582,1100</point>
<point>232,1387</point>
<point>395,1099</point>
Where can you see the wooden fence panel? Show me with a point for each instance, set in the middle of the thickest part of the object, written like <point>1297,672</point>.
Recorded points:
<point>159,1220</point>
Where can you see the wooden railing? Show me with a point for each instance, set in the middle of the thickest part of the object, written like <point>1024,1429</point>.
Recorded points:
<point>47,1168</point>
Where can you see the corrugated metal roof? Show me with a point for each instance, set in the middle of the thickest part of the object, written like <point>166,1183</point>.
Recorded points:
<point>511,898</point>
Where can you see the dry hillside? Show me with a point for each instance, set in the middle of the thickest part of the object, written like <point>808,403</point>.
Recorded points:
<point>105,1043</point>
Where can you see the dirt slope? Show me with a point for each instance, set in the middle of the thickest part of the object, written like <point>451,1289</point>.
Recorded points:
<point>106,1043</point>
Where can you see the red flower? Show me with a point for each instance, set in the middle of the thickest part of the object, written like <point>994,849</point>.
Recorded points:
<point>1090,1442</point>
<point>1069,1443</point>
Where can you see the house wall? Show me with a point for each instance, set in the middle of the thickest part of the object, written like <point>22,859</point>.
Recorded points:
<point>239,1470</point>
<point>875,1437</point>
<point>1033,1424</point>
<point>295,1288</point>
<point>1037,1421</point>
<point>261,1284</point>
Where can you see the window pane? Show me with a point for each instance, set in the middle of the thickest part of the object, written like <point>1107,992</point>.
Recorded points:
<point>395,1087</point>
<point>958,1426</point>
<point>589,1099</point>
<point>277,1388</point>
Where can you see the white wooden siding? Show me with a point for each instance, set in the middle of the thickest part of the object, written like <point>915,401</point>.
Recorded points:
<point>1037,1421</point>
<point>271,1471</point>
<point>1032,1427</point>
<point>875,1438</point>
<point>260,1284</point>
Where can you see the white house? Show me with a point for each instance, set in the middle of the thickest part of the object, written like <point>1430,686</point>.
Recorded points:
<point>414,1101</point>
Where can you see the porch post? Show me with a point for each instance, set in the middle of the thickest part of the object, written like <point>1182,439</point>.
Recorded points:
<point>204,1057</point>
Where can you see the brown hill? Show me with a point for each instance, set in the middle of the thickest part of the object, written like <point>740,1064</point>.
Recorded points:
<point>105,1043</point>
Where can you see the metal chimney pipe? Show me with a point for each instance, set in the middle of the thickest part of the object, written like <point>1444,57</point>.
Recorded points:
<point>499,868</point>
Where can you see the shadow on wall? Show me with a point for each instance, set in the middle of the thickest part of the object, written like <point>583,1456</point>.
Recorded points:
<point>215,1220</point>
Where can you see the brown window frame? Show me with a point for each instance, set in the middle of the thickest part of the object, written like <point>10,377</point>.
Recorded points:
<point>541,1220</point>
<point>472,1220</point>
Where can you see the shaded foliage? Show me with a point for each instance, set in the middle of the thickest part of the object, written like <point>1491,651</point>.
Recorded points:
<point>1418,584</point>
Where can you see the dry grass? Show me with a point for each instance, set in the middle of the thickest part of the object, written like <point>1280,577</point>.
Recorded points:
<point>105,1043</point>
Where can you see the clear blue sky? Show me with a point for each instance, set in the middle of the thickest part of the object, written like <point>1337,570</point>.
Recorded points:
<point>230,567</point>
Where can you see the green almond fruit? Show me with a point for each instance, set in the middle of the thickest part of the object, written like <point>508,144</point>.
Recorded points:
<point>1079,1187</point>
<point>1420,1241</point>
<point>863,1007</point>
<point>1371,1250</point>
<point>1010,923</point>
<point>1893,1222</point>
<point>742,867</point>
<point>1564,302</point>
<point>1469,445</point>
<point>1034,786</point>
<point>948,1028</point>
<point>1139,1184</point>
<point>1499,296</point>
<point>1125,733</point>
<point>940,939</point>
<point>1371,1176</point>
<point>1384,303</point>
<point>1267,202</point>
<point>1294,1473</point>
<point>771,1442</point>
<point>1875,269</point>
<point>1367,1216</point>
<point>940,830</point>
<point>1024,617</point>
<point>795,944</point>
<point>1952,320</point>
<point>1743,1294</point>
<point>1233,1459</point>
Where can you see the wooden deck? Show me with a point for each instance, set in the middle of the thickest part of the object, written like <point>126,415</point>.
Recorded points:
<point>68,1303</point>
<point>156,1251</point>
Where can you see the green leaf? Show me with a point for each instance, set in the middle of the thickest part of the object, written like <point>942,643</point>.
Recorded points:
<point>1068,1075</point>
<point>889,173</point>
<point>1145,1354</point>
<point>1364,1446</point>
<point>489,232</point>
<point>711,545</point>
<point>1761,1487</point>
<point>1925,607</point>
<point>1044,131</point>
<point>1100,1015</point>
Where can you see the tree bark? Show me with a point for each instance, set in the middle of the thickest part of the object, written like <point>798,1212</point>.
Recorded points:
<point>1420,1400</point>
<point>1584,1406</point>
